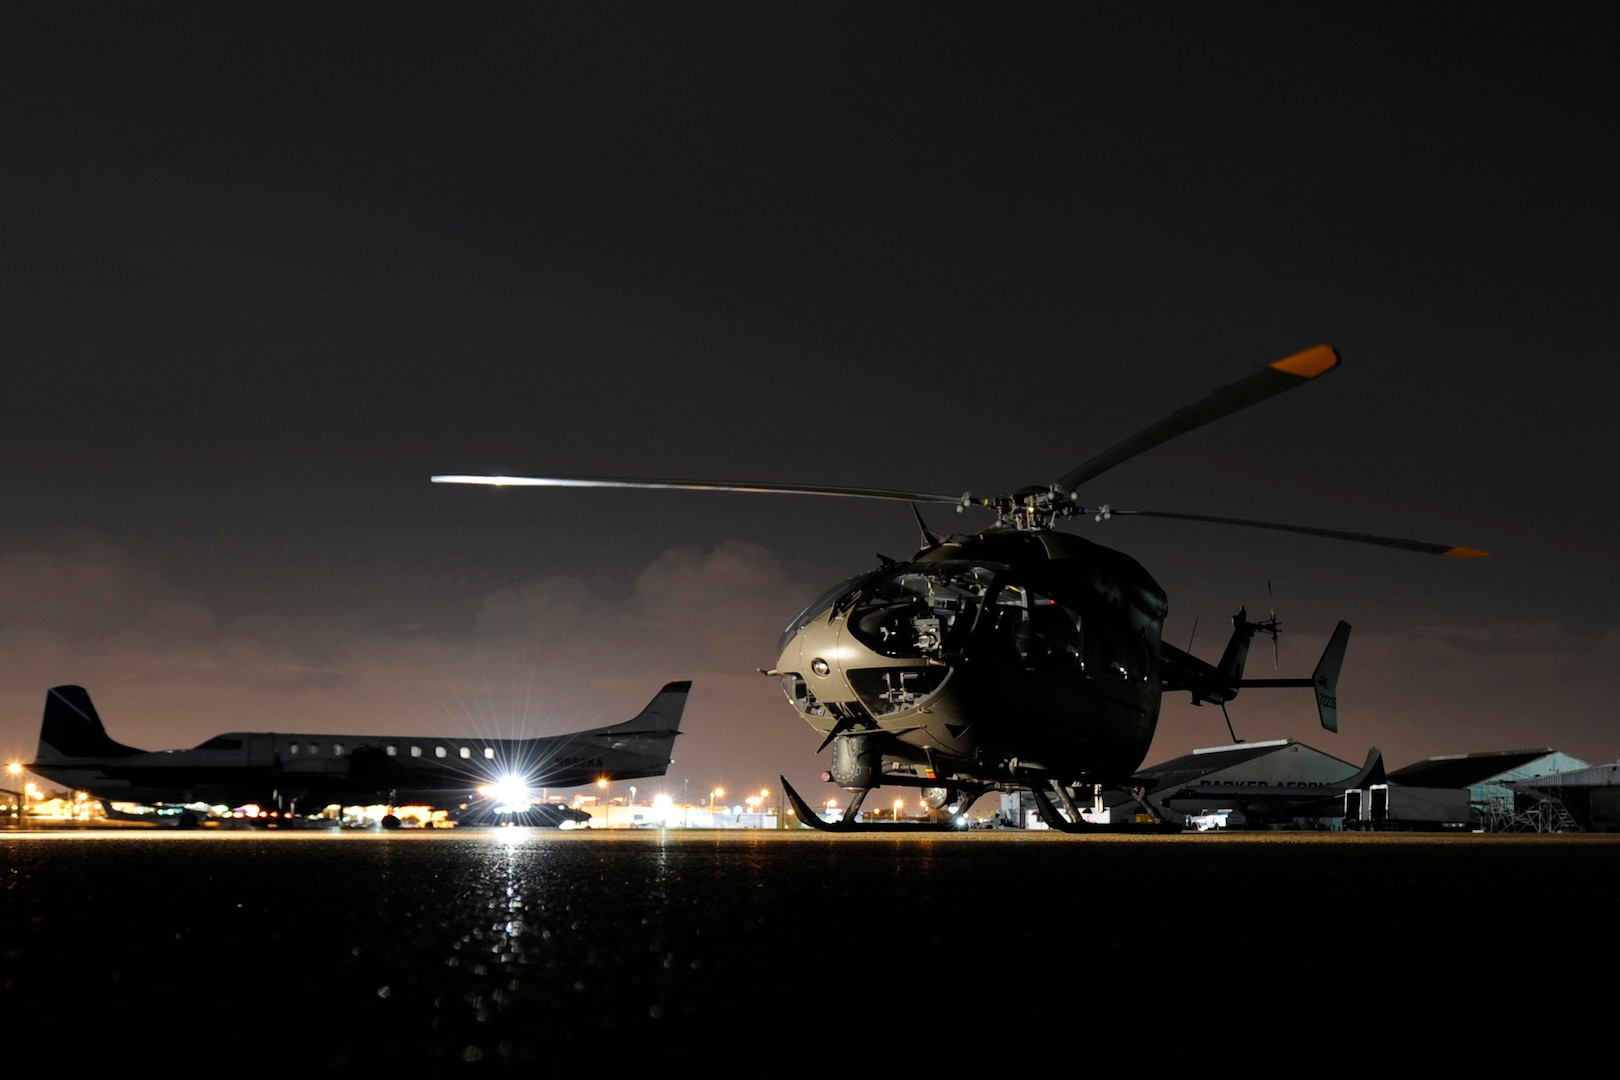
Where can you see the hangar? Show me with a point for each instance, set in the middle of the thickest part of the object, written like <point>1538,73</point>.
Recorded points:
<point>1495,781</point>
<point>1590,796</point>
<point>1278,783</point>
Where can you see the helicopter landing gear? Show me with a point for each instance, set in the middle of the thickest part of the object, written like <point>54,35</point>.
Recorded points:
<point>847,823</point>
<point>1074,823</point>
<point>1049,815</point>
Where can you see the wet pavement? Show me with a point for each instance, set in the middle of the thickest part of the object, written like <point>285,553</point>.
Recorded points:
<point>538,952</point>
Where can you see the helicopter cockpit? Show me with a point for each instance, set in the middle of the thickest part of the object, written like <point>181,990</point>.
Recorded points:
<point>907,626</point>
<point>922,609</point>
<point>946,610</point>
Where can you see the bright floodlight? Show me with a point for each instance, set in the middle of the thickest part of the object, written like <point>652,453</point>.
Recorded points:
<point>508,791</point>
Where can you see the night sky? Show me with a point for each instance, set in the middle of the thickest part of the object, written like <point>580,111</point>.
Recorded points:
<point>265,270</point>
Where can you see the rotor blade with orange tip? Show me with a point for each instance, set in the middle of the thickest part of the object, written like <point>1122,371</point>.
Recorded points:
<point>1269,381</point>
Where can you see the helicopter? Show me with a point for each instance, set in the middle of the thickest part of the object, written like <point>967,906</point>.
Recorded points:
<point>1020,657</point>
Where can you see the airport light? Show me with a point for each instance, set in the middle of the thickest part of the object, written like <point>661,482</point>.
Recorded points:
<point>713,795</point>
<point>507,791</point>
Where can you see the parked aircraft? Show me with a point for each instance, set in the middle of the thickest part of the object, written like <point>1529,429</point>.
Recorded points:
<point>288,771</point>
<point>1017,657</point>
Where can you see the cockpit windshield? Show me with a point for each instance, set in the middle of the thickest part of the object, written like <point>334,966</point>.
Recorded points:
<point>817,606</point>
<point>922,609</point>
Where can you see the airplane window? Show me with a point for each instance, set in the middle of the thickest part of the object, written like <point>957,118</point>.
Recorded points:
<point>294,748</point>
<point>416,751</point>
<point>337,749</point>
<point>466,752</point>
<point>439,751</point>
<point>489,753</point>
<point>314,747</point>
<point>393,751</point>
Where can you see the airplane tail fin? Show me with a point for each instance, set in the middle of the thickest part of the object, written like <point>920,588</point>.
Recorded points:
<point>71,728</point>
<point>662,716</point>
<point>1372,771</point>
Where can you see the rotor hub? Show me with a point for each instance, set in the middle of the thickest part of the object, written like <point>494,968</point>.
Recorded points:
<point>1033,509</point>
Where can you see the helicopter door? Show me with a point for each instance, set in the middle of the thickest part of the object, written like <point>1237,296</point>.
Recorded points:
<point>1028,627</point>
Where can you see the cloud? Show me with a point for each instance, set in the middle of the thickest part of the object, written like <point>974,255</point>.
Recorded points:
<point>554,654</point>
<point>543,656</point>
<point>85,587</point>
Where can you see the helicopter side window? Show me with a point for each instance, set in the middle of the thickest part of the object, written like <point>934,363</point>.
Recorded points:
<point>1111,657</point>
<point>1060,644</point>
<point>1036,630</point>
<point>1010,630</point>
<point>1141,657</point>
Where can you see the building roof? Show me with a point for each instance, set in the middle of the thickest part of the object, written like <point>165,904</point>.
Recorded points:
<point>1593,776</point>
<point>1200,763</point>
<point>1465,770</point>
<point>1279,762</point>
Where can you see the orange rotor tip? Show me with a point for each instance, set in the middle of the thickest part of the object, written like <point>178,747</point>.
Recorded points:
<point>1310,363</point>
<point>1465,553</point>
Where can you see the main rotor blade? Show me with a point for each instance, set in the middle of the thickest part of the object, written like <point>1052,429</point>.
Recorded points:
<point>710,485</point>
<point>1269,381</point>
<point>1448,550</point>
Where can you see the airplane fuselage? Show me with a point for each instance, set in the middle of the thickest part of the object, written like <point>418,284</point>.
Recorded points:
<point>275,769</point>
<point>269,768</point>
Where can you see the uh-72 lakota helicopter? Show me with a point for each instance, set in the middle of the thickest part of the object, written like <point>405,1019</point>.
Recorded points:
<point>1019,657</point>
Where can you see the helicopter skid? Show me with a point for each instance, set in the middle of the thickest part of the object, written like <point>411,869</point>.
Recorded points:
<point>815,821</point>
<point>1052,819</point>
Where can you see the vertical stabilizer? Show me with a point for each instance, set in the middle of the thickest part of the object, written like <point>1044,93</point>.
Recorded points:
<point>71,728</point>
<point>1325,680</point>
<point>662,716</point>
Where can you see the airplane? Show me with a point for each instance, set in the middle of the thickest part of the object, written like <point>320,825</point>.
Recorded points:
<point>1017,657</point>
<point>269,769</point>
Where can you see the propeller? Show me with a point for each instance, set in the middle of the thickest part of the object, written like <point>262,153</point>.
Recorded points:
<point>1037,508</point>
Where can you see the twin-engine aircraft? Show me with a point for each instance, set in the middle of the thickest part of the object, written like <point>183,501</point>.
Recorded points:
<point>288,771</point>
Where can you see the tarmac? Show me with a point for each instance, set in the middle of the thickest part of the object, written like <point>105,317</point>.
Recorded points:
<point>542,952</point>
